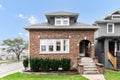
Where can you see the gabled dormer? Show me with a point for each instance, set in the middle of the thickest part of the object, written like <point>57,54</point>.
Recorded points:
<point>62,18</point>
<point>113,16</point>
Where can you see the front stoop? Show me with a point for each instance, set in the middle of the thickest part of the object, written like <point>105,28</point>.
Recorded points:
<point>88,66</point>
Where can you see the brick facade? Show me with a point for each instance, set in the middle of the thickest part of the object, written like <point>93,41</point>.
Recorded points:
<point>75,36</point>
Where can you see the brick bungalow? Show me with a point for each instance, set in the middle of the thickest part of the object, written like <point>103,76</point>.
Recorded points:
<point>61,36</point>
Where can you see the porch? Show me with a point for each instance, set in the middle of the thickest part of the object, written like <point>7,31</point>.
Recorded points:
<point>114,53</point>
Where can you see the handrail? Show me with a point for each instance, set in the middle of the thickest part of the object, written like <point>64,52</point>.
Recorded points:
<point>112,60</point>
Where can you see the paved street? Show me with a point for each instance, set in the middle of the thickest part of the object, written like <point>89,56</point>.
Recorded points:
<point>6,69</point>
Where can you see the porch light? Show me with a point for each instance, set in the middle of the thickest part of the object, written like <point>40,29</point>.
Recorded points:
<point>92,44</point>
<point>85,38</point>
<point>69,36</point>
<point>38,36</point>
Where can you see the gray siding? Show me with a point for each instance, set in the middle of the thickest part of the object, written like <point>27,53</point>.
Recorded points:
<point>99,51</point>
<point>102,31</point>
<point>117,29</point>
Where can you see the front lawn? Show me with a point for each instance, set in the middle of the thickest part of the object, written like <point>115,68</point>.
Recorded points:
<point>20,76</point>
<point>112,75</point>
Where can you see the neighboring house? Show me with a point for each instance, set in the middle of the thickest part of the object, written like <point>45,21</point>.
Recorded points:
<point>108,40</point>
<point>61,36</point>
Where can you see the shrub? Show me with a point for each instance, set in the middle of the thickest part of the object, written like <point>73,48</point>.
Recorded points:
<point>35,64</point>
<point>25,63</point>
<point>54,64</point>
<point>45,64</point>
<point>65,64</point>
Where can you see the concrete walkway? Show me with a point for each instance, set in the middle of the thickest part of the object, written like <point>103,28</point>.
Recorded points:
<point>95,77</point>
<point>7,69</point>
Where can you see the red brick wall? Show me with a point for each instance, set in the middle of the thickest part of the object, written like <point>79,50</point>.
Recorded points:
<point>75,36</point>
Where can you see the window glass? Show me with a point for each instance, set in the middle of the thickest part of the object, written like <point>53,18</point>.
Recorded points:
<point>110,28</point>
<point>58,46</point>
<point>65,22</point>
<point>62,21</point>
<point>54,45</point>
<point>65,45</point>
<point>58,22</point>
<point>50,47</point>
<point>43,48</point>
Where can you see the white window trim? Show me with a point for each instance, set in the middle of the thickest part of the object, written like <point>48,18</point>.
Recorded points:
<point>112,28</point>
<point>115,15</point>
<point>62,19</point>
<point>54,50</point>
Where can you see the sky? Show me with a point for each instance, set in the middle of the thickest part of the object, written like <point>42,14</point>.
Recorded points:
<point>16,14</point>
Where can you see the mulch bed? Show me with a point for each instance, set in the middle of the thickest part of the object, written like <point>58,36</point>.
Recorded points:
<point>71,72</point>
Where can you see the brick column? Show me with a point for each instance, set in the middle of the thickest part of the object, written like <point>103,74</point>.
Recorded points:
<point>95,60</point>
<point>80,68</point>
<point>100,68</point>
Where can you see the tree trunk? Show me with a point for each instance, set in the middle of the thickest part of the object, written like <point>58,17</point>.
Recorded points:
<point>18,57</point>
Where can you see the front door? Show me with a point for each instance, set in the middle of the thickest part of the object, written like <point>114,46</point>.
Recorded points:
<point>84,48</point>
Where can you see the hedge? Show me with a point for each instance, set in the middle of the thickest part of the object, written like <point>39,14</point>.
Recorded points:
<point>46,64</point>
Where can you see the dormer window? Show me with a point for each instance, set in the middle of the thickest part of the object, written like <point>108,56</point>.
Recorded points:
<point>115,16</point>
<point>110,28</point>
<point>61,21</point>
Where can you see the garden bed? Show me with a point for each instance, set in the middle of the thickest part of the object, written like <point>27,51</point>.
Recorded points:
<point>70,72</point>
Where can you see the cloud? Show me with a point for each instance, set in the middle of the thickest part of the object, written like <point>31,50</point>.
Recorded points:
<point>31,19</point>
<point>22,16</point>
<point>20,34</point>
<point>0,5</point>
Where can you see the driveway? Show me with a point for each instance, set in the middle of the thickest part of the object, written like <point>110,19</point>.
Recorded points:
<point>6,69</point>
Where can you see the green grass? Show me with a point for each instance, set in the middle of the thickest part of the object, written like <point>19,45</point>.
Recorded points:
<point>112,75</point>
<point>20,76</point>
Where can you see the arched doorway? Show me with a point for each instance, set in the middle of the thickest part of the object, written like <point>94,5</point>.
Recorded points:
<point>84,48</point>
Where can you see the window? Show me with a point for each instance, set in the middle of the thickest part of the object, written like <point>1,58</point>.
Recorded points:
<point>110,28</point>
<point>43,48</point>
<point>65,45</point>
<point>58,22</point>
<point>54,46</point>
<point>50,47</point>
<point>115,16</point>
<point>65,22</point>
<point>62,21</point>
<point>58,46</point>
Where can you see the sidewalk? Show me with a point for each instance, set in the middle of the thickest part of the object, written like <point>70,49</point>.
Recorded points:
<point>7,69</point>
<point>95,77</point>
<point>10,72</point>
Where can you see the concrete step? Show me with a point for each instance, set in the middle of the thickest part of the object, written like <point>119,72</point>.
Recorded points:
<point>90,72</point>
<point>89,66</point>
<point>87,61</point>
<point>90,69</point>
<point>85,64</point>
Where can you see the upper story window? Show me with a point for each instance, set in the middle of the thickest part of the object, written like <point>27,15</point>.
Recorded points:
<point>110,28</point>
<point>61,21</point>
<point>115,16</point>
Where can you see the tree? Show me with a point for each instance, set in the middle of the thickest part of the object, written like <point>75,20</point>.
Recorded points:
<point>16,45</point>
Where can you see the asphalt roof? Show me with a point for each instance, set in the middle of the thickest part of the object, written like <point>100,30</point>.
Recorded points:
<point>108,18</point>
<point>45,25</point>
<point>65,13</point>
<point>110,21</point>
<point>108,36</point>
